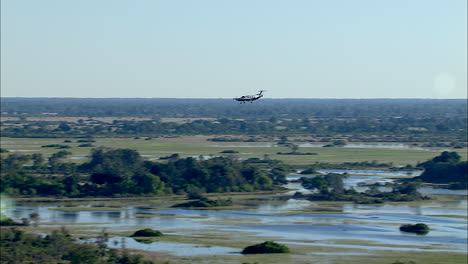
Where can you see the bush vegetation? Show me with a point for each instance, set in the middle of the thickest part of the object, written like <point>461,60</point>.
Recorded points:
<point>308,171</point>
<point>331,188</point>
<point>419,228</point>
<point>445,168</point>
<point>147,232</point>
<point>58,247</point>
<point>6,221</point>
<point>265,248</point>
<point>118,172</point>
<point>229,151</point>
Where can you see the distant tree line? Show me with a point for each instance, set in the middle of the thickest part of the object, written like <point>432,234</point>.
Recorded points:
<point>401,129</point>
<point>361,120</point>
<point>218,108</point>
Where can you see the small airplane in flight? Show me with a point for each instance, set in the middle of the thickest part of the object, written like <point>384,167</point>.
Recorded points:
<point>249,98</point>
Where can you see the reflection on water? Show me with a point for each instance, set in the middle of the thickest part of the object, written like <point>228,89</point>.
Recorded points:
<point>69,217</point>
<point>283,206</point>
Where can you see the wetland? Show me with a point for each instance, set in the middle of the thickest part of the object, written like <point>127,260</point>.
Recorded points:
<point>323,230</point>
<point>150,155</point>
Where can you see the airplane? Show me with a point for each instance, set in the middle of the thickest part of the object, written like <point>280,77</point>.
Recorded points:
<point>249,98</point>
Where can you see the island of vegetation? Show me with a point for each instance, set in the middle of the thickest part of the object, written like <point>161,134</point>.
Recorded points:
<point>330,187</point>
<point>266,247</point>
<point>447,168</point>
<point>419,228</point>
<point>147,232</point>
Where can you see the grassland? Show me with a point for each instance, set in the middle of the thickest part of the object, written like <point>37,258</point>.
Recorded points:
<point>194,146</point>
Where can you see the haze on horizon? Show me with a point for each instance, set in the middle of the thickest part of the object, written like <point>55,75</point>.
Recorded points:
<point>224,49</point>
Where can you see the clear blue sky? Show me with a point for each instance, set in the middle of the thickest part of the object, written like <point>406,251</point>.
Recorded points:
<point>223,49</point>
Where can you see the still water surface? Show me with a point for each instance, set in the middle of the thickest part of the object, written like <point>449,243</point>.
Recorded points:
<point>291,222</point>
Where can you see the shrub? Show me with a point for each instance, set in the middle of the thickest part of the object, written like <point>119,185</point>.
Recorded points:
<point>85,140</point>
<point>308,171</point>
<point>58,146</point>
<point>173,156</point>
<point>147,232</point>
<point>86,145</point>
<point>266,247</point>
<point>229,151</point>
<point>5,221</point>
<point>419,228</point>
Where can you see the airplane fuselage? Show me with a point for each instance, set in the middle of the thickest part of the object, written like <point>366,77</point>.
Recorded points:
<point>249,98</point>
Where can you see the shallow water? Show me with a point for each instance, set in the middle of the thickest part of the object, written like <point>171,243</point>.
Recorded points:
<point>355,179</point>
<point>375,224</point>
<point>178,249</point>
<point>291,221</point>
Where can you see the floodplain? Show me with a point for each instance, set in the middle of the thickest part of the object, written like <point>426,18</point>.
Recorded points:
<point>374,142</point>
<point>316,232</point>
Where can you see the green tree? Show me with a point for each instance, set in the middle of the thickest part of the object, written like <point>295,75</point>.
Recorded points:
<point>445,168</point>
<point>318,183</point>
<point>38,160</point>
<point>148,183</point>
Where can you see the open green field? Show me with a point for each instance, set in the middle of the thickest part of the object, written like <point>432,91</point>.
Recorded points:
<point>194,146</point>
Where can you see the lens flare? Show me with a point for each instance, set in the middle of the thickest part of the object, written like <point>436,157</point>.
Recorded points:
<point>444,84</point>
